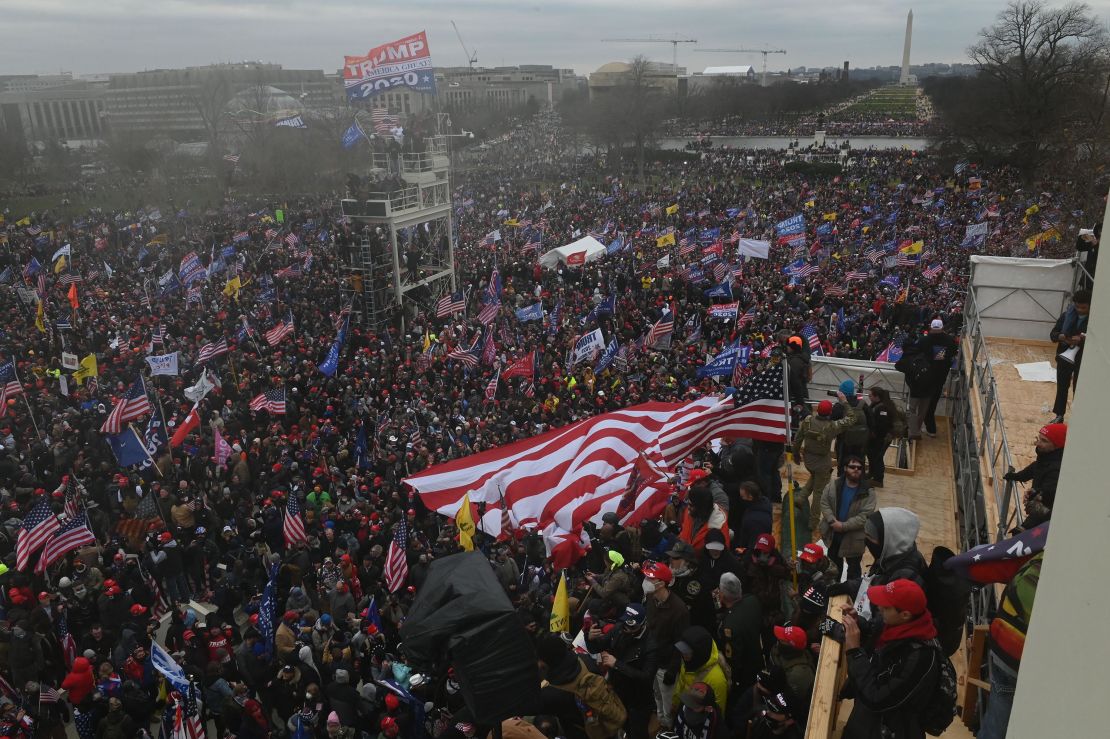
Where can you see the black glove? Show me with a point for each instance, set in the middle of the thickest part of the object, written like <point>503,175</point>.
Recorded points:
<point>1011,475</point>
<point>668,678</point>
<point>840,588</point>
<point>832,629</point>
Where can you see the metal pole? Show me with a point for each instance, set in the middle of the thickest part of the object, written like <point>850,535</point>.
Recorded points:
<point>789,465</point>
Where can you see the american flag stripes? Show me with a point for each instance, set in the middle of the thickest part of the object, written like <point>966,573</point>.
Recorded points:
<point>448,304</point>
<point>133,405</point>
<point>233,158</point>
<point>293,270</point>
<point>660,330</point>
<point>857,275</point>
<point>292,240</point>
<point>491,238</point>
<point>836,291</point>
<point>396,563</point>
<point>809,332</point>
<point>69,644</point>
<point>293,526</point>
<point>9,385</point>
<point>874,254</point>
<point>72,534</point>
<point>906,260</point>
<point>746,317</point>
<point>48,694</point>
<point>383,122</point>
<point>489,313</point>
<point>932,271</point>
<point>469,357</point>
<point>37,528</point>
<point>271,233</point>
<point>283,328</point>
<point>161,606</point>
<point>69,278</point>
<point>271,400</point>
<point>211,351</point>
<point>491,387</point>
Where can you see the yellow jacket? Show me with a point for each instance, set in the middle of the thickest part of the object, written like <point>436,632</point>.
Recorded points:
<point>710,673</point>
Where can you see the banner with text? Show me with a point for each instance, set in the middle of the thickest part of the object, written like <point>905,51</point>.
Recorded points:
<point>406,62</point>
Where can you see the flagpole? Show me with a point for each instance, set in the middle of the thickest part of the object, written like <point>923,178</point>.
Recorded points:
<point>30,411</point>
<point>146,451</point>
<point>789,465</point>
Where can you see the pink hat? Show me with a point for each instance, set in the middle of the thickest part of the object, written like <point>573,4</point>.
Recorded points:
<point>333,718</point>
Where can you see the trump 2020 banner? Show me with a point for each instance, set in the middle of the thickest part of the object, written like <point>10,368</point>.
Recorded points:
<point>406,62</point>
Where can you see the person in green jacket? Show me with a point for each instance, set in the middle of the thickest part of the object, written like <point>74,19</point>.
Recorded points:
<point>701,662</point>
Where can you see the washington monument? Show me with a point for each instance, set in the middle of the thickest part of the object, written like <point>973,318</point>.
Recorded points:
<point>904,78</point>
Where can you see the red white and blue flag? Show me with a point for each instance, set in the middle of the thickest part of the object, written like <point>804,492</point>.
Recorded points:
<point>132,406</point>
<point>396,563</point>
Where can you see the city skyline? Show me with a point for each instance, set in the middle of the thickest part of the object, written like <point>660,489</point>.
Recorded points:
<point>115,36</point>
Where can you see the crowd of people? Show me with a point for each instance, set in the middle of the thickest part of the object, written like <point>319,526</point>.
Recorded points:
<point>194,559</point>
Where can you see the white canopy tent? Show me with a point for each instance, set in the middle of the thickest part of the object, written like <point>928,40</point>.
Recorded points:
<point>594,250</point>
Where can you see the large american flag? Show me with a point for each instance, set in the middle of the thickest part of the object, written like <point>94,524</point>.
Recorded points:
<point>760,405</point>
<point>489,313</point>
<point>469,357</point>
<point>37,528</point>
<point>566,476</point>
<point>396,564</point>
<point>746,317</point>
<point>211,351</point>
<point>133,405</point>
<point>293,527</point>
<point>449,304</point>
<point>283,328</point>
<point>810,334</point>
<point>271,400</point>
<point>73,533</point>
<point>9,385</point>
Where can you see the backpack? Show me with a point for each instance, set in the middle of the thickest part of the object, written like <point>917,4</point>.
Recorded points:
<point>940,709</point>
<point>917,368</point>
<point>948,596</point>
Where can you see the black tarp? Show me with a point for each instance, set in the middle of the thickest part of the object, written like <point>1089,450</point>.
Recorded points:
<point>461,617</point>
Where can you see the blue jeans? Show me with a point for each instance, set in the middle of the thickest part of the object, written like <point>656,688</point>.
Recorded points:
<point>996,719</point>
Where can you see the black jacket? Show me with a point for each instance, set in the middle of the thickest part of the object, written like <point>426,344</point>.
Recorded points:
<point>1044,473</point>
<point>891,686</point>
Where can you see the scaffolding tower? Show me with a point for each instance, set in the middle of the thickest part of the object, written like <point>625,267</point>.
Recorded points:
<point>402,258</point>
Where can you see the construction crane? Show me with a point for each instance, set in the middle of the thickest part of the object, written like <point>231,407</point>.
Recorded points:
<point>471,58</point>
<point>674,42</point>
<point>764,52</point>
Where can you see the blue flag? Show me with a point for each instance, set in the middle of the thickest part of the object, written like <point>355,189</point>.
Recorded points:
<point>721,365</point>
<point>128,447</point>
<point>353,135</point>
<point>614,246</point>
<point>724,290</point>
<point>362,449</point>
<point>531,313</point>
<point>164,663</point>
<point>608,306</point>
<point>331,363</point>
<point>267,610</point>
<point>607,357</point>
<point>373,615</point>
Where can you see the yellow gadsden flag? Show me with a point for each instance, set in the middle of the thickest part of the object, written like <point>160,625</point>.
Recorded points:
<point>233,286</point>
<point>665,240</point>
<point>86,369</point>
<point>60,264</point>
<point>672,209</point>
<point>560,609</point>
<point>464,519</point>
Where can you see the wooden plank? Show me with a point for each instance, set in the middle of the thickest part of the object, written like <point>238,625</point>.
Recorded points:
<point>825,704</point>
<point>975,654</point>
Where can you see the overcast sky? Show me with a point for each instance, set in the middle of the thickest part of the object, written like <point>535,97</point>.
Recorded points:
<point>96,36</point>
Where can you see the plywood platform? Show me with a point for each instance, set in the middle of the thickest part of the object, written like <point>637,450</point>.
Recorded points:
<point>1026,406</point>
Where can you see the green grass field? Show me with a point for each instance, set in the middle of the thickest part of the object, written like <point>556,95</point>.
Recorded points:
<point>891,102</point>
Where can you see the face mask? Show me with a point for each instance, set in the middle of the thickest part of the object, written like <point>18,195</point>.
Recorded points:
<point>649,587</point>
<point>308,696</point>
<point>452,687</point>
<point>680,572</point>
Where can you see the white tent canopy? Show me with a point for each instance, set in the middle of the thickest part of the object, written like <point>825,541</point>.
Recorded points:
<point>594,250</point>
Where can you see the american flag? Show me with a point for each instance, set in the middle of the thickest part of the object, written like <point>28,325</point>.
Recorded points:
<point>158,337</point>
<point>746,317</point>
<point>69,278</point>
<point>293,270</point>
<point>836,291</point>
<point>48,694</point>
<point>932,271</point>
<point>760,402</point>
<point>9,385</point>
<point>874,254</point>
<point>283,328</point>
<point>41,281</point>
<point>133,405</point>
<point>810,334</point>
<point>489,313</point>
<point>660,330</point>
<point>491,238</point>
<point>233,158</point>
<point>906,260</point>
<point>534,240</point>
<point>449,304</point>
<point>685,246</point>
<point>161,606</point>
<point>72,491</point>
<point>293,527</point>
<point>37,528</point>
<point>211,351</point>
<point>145,302</point>
<point>73,533</point>
<point>469,357</point>
<point>271,233</point>
<point>396,564</point>
<point>806,270</point>
<point>187,722</point>
<point>857,275</point>
<point>491,387</point>
<point>292,240</point>
<point>383,121</point>
<point>69,645</point>
<point>271,400</point>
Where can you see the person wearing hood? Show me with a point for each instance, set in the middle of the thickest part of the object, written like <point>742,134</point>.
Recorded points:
<point>846,502</point>
<point>688,584</point>
<point>758,517</point>
<point>581,699</point>
<point>1043,473</point>
<point>892,683</point>
<point>116,724</point>
<point>1070,332</point>
<point>700,663</point>
<point>297,600</point>
<point>890,534</point>
<point>628,654</point>
<point>702,514</point>
<point>287,692</point>
<point>340,602</point>
<point>26,655</point>
<point>716,560</point>
<point>700,717</point>
<point>79,683</point>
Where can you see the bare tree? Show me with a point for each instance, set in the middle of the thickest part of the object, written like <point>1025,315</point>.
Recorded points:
<point>209,98</point>
<point>1043,62</point>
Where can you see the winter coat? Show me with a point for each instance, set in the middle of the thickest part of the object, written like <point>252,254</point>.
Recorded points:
<point>605,714</point>
<point>863,505</point>
<point>703,667</point>
<point>890,688</point>
<point>79,682</point>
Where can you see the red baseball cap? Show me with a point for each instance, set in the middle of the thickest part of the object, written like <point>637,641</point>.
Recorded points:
<point>812,553</point>
<point>825,408</point>
<point>905,595</point>
<point>765,543</point>
<point>795,636</point>
<point>658,571</point>
<point>138,609</point>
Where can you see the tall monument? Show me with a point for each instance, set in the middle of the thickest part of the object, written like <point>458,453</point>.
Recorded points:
<point>904,78</point>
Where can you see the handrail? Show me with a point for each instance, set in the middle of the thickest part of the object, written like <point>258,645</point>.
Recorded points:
<point>824,705</point>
